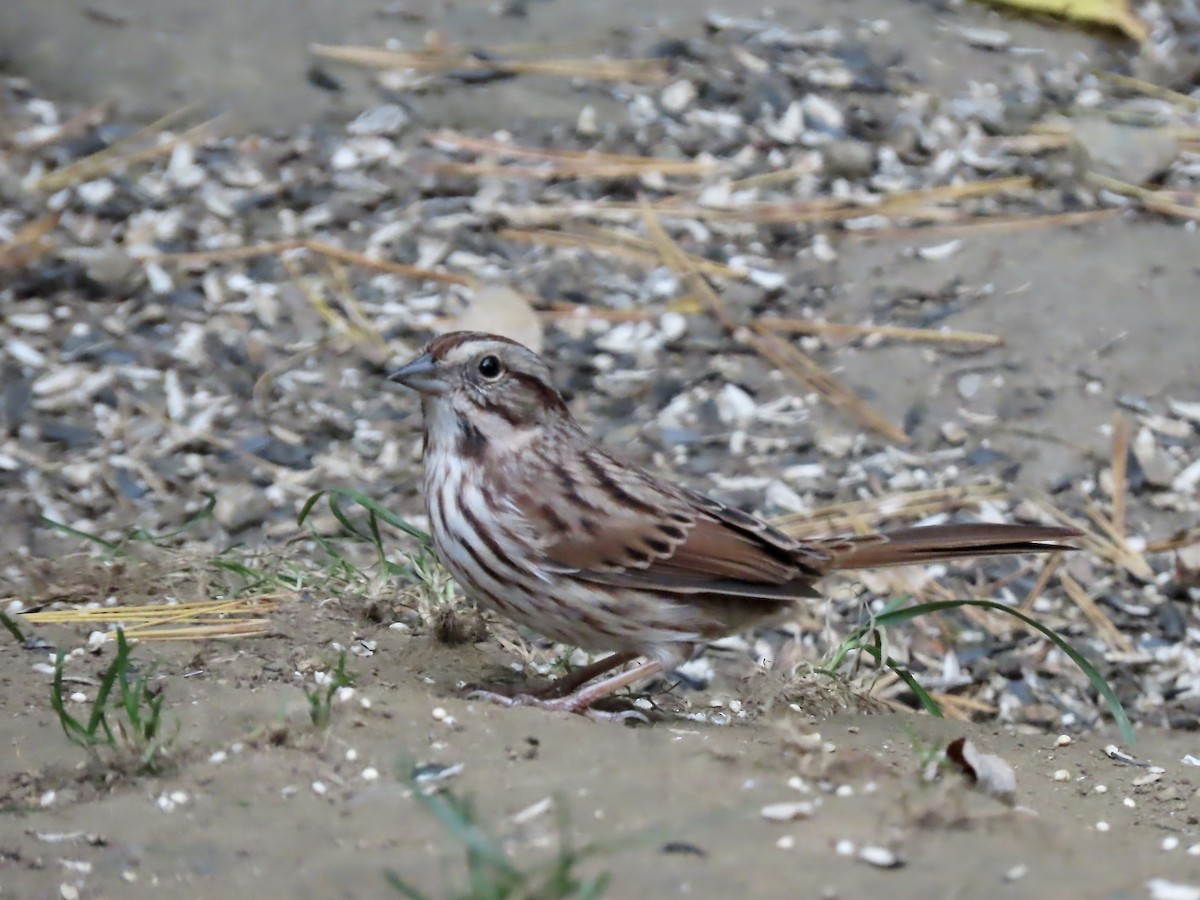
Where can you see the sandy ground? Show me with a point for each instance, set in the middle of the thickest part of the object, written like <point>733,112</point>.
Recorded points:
<point>676,805</point>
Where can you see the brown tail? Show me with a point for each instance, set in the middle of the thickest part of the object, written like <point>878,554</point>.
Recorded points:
<point>922,545</point>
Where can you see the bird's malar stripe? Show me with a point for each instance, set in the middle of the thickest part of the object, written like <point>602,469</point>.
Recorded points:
<point>507,413</point>
<point>471,442</point>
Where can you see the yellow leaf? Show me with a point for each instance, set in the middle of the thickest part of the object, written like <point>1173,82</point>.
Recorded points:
<point>1107,13</point>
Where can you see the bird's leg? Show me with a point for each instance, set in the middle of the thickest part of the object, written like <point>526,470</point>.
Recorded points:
<point>562,685</point>
<point>581,699</point>
<point>569,682</point>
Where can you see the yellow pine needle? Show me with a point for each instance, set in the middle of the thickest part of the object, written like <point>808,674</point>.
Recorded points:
<point>240,617</point>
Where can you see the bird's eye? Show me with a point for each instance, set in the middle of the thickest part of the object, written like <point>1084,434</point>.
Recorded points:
<point>489,367</point>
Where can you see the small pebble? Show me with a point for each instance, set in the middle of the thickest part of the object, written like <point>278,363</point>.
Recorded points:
<point>319,788</point>
<point>1017,872</point>
<point>168,802</point>
<point>1062,775</point>
<point>880,857</point>
<point>1062,740</point>
<point>969,385</point>
<point>845,847</point>
<point>1102,826</point>
<point>1101,789</point>
<point>586,125</point>
<point>787,842</point>
<point>954,433</point>
<point>1169,843</point>
<point>370,773</point>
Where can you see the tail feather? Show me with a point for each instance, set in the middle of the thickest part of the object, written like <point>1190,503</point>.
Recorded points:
<point>915,546</point>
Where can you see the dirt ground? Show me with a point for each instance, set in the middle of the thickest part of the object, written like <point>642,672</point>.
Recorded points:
<point>676,807</point>
<point>257,802</point>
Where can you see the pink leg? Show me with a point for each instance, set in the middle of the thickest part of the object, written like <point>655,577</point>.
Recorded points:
<point>581,700</point>
<point>571,681</point>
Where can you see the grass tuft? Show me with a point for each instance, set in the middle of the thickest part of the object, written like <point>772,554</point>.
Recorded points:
<point>871,638</point>
<point>121,729</point>
<point>492,873</point>
<point>320,696</point>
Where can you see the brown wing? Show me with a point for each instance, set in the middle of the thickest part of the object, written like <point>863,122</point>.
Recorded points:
<point>613,523</point>
<point>627,528</point>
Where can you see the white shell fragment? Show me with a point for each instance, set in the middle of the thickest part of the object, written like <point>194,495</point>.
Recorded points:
<point>788,811</point>
<point>939,252</point>
<point>880,857</point>
<point>388,119</point>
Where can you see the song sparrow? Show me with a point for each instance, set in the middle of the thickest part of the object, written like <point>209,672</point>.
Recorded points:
<point>537,522</point>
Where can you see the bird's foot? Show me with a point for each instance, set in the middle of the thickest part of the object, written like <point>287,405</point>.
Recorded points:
<point>572,703</point>
<point>580,700</point>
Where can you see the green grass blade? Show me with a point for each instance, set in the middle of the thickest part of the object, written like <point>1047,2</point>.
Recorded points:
<point>594,889</point>
<point>71,726</point>
<point>403,886</point>
<point>116,668</point>
<point>201,515</point>
<point>377,539</point>
<point>927,702</point>
<point>459,823</point>
<point>11,627</point>
<point>369,505</point>
<point>336,508</point>
<point>110,546</point>
<point>1098,682</point>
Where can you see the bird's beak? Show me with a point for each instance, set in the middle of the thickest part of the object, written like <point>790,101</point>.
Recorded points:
<point>422,374</point>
